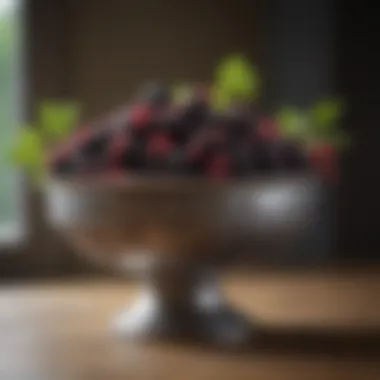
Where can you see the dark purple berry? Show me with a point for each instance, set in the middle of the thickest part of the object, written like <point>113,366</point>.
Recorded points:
<point>264,159</point>
<point>134,157</point>
<point>64,166</point>
<point>96,146</point>
<point>242,157</point>
<point>194,116</point>
<point>292,157</point>
<point>238,129</point>
<point>177,162</point>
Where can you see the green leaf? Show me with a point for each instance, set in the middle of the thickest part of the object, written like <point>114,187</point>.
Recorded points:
<point>220,99</point>
<point>29,149</point>
<point>28,153</point>
<point>239,78</point>
<point>294,124</point>
<point>326,114</point>
<point>58,119</point>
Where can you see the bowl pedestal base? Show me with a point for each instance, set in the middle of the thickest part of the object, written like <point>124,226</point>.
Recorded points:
<point>186,307</point>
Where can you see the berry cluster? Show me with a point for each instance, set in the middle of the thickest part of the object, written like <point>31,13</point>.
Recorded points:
<point>158,135</point>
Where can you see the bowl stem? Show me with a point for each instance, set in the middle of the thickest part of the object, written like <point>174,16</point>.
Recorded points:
<point>183,304</point>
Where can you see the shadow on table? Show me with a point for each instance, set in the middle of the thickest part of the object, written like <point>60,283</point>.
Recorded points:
<point>312,343</point>
<point>366,343</point>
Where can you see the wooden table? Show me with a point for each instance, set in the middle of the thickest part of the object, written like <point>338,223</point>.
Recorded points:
<point>59,331</point>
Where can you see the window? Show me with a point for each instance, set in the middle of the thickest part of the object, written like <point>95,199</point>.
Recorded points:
<point>10,112</point>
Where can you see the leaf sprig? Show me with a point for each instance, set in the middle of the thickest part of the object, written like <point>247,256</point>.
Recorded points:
<point>236,80</point>
<point>321,122</point>
<point>56,120</point>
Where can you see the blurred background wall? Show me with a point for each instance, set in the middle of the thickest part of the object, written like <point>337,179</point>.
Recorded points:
<point>106,49</point>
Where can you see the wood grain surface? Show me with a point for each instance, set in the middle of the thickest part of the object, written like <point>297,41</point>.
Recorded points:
<point>310,326</point>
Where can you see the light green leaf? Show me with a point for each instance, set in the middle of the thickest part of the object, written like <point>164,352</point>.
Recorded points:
<point>237,76</point>
<point>326,114</point>
<point>220,99</point>
<point>294,123</point>
<point>29,149</point>
<point>29,155</point>
<point>57,120</point>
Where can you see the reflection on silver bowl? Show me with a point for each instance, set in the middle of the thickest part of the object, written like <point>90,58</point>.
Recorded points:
<point>171,233</point>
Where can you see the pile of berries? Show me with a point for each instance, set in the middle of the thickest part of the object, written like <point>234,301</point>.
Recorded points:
<point>159,135</point>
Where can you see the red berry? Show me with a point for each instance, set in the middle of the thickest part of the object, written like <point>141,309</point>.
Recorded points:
<point>217,136</point>
<point>159,145</point>
<point>140,116</point>
<point>117,147</point>
<point>197,146</point>
<point>196,152</point>
<point>219,166</point>
<point>324,159</point>
<point>267,130</point>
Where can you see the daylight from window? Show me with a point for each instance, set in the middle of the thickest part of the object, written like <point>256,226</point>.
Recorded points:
<point>10,110</point>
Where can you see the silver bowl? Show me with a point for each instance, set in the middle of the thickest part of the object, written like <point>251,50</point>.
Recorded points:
<point>174,235</point>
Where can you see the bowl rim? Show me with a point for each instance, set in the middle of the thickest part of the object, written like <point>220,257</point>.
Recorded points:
<point>178,183</point>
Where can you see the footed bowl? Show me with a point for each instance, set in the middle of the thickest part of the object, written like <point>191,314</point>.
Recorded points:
<point>174,235</point>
